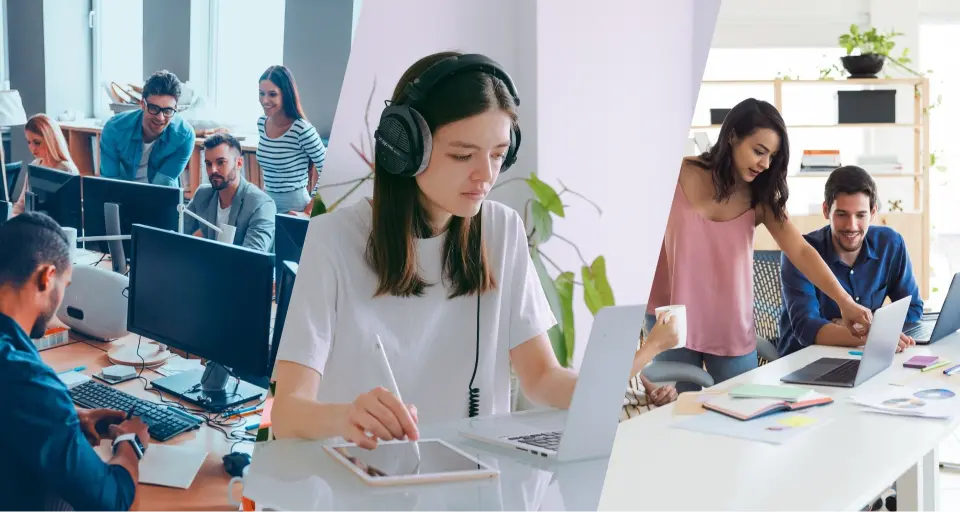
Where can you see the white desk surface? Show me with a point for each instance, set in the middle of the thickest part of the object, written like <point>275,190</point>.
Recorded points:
<point>298,475</point>
<point>842,465</point>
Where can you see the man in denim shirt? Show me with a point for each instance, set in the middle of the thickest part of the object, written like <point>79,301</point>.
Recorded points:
<point>871,263</point>
<point>47,444</point>
<point>152,144</point>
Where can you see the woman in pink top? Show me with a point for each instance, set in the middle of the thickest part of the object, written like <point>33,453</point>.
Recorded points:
<point>706,261</point>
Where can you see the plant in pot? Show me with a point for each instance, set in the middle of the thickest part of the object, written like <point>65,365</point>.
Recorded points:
<point>868,51</point>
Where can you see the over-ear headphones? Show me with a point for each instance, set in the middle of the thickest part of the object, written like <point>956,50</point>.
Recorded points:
<point>403,139</point>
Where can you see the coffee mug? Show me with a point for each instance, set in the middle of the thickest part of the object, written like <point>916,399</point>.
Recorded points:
<point>680,312</point>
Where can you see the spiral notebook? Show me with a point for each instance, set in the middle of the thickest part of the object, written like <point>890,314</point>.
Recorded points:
<point>745,409</point>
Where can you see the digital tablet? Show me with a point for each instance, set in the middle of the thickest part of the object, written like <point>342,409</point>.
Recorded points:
<point>397,463</point>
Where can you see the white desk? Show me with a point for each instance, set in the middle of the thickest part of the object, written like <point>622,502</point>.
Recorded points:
<point>842,465</point>
<point>298,475</point>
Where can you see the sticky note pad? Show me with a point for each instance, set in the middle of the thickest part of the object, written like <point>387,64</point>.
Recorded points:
<point>797,421</point>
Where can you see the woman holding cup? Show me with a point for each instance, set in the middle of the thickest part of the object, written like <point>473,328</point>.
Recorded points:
<point>705,270</point>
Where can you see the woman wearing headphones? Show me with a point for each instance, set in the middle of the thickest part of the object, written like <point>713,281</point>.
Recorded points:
<point>706,261</point>
<point>453,308</point>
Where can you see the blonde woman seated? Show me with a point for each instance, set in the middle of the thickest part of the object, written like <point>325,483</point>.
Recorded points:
<point>48,147</point>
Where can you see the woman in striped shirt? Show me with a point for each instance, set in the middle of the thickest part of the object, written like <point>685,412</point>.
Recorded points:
<point>288,143</point>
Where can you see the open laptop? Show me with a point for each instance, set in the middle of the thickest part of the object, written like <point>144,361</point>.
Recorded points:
<point>936,326</point>
<point>878,353</point>
<point>587,430</point>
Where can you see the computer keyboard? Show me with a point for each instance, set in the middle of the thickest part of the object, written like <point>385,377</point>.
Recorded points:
<point>548,440</point>
<point>847,372</point>
<point>921,332</point>
<point>162,421</point>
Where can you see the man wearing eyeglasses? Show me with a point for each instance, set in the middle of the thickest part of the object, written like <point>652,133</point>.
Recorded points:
<point>152,144</point>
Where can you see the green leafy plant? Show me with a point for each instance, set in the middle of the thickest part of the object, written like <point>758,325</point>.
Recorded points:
<point>543,207</point>
<point>857,42</point>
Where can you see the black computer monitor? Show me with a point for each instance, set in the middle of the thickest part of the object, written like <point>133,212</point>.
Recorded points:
<point>285,281</point>
<point>288,243</point>
<point>139,203</point>
<point>205,298</point>
<point>6,211</point>
<point>13,170</point>
<point>56,193</point>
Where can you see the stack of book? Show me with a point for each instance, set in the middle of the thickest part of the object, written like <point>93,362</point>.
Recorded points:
<point>819,160</point>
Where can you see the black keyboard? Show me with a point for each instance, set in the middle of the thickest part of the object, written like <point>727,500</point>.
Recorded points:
<point>846,372</point>
<point>548,440</point>
<point>163,422</point>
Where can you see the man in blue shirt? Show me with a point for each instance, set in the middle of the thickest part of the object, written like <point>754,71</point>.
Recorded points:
<point>47,444</point>
<point>151,144</point>
<point>871,264</point>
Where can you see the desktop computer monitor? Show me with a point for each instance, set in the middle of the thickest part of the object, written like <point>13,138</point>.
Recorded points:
<point>208,299</point>
<point>55,193</point>
<point>285,281</point>
<point>139,203</point>
<point>288,243</point>
<point>14,172</point>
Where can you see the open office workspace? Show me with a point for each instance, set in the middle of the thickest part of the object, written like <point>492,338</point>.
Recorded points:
<point>368,291</point>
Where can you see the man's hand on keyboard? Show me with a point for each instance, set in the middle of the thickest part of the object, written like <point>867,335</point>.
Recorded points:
<point>905,341</point>
<point>95,423</point>
<point>135,426</point>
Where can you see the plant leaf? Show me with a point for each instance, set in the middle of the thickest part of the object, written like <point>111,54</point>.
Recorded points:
<point>542,223</point>
<point>564,285</point>
<point>549,286</point>
<point>596,288</point>
<point>318,207</point>
<point>547,196</point>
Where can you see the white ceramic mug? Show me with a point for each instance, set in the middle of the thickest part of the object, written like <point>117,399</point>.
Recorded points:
<point>680,312</point>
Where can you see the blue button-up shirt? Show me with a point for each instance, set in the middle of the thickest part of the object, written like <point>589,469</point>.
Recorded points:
<point>882,270</point>
<point>47,459</point>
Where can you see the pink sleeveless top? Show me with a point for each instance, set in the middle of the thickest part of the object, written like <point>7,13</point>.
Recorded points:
<point>708,267</point>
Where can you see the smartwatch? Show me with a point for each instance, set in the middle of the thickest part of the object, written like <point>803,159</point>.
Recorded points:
<point>133,440</point>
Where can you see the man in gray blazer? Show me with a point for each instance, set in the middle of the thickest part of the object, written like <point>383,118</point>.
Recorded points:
<point>230,199</point>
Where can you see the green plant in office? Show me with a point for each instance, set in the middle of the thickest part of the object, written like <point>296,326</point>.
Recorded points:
<point>869,50</point>
<point>365,152</point>
<point>546,204</point>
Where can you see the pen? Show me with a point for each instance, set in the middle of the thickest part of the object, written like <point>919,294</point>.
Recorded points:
<point>77,369</point>
<point>856,353</point>
<point>240,412</point>
<point>938,364</point>
<point>393,388</point>
<point>252,427</point>
<point>952,370</point>
<point>130,412</point>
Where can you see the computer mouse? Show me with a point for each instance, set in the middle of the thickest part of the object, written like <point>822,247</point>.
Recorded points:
<point>234,463</point>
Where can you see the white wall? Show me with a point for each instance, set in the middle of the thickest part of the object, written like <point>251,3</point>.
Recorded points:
<point>67,37</point>
<point>614,129</point>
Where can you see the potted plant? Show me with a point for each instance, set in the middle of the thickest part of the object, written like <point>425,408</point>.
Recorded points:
<point>868,51</point>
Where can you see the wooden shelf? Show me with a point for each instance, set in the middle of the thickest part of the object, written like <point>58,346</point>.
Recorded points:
<point>837,125</point>
<point>880,175</point>
<point>848,81</point>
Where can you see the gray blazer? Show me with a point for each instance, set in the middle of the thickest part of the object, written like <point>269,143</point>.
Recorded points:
<point>252,212</point>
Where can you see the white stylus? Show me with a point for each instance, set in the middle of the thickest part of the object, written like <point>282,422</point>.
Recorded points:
<point>392,385</point>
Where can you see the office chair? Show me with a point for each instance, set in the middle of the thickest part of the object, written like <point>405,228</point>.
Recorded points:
<point>767,303</point>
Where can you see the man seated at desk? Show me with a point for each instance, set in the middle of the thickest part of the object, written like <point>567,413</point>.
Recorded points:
<point>230,199</point>
<point>49,459</point>
<point>871,263</point>
<point>151,144</point>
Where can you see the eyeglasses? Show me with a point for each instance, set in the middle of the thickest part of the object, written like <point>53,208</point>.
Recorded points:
<point>155,109</point>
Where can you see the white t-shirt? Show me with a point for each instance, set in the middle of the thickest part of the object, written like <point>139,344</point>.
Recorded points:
<point>430,341</point>
<point>223,215</point>
<point>144,160</point>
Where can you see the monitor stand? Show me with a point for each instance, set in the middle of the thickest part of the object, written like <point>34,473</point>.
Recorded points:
<point>212,388</point>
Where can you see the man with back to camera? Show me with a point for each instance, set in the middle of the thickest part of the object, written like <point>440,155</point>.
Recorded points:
<point>871,263</point>
<point>151,144</point>
<point>48,444</point>
<point>230,199</point>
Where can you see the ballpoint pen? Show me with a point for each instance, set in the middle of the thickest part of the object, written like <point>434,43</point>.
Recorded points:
<point>392,385</point>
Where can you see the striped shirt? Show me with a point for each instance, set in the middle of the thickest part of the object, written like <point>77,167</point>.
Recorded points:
<point>285,160</point>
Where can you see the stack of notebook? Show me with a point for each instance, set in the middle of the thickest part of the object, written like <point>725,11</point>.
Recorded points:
<point>752,401</point>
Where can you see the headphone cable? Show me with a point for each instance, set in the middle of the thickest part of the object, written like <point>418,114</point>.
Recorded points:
<point>474,409</point>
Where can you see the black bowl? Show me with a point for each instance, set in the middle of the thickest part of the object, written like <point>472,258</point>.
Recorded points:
<point>863,66</point>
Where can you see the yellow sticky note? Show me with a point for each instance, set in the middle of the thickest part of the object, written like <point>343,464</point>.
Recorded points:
<point>797,421</point>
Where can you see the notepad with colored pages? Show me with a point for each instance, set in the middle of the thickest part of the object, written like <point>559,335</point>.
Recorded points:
<point>745,409</point>
<point>783,393</point>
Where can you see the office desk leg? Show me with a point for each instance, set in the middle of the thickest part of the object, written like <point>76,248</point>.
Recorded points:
<point>919,488</point>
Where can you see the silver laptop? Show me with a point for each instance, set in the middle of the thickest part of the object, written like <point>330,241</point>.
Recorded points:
<point>935,326</point>
<point>878,353</point>
<point>587,430</point>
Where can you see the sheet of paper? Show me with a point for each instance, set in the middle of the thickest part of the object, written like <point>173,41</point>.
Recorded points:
<point>164,465</point>
<point>933,400</point>
<point>797,421</point>
<point>774,429</point>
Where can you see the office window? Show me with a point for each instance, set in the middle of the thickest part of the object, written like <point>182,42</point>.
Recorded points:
<point>118,48</point>
<point>247,38</point>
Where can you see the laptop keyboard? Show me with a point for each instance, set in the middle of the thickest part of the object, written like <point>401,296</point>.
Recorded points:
<point>921,332</point>
<point>547,440</point>
<point>847,372</point>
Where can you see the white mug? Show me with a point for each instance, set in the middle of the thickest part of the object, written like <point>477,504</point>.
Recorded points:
<point>680,312</point>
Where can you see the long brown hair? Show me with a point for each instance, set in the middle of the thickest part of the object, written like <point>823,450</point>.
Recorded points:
<point>49,131</point>
<point>770,188</point>
<point>399,218</point>
<point>283,79</point>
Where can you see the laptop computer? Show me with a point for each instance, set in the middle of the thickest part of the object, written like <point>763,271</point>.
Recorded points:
<point>588,428</point>
<point>935,326</point>
<point>878,353</point>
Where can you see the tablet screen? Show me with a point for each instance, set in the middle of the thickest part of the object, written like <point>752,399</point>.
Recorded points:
<point>400,459</point>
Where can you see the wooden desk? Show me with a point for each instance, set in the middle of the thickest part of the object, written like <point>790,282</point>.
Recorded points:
<point>83,142</point>
<point>209,488</point>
